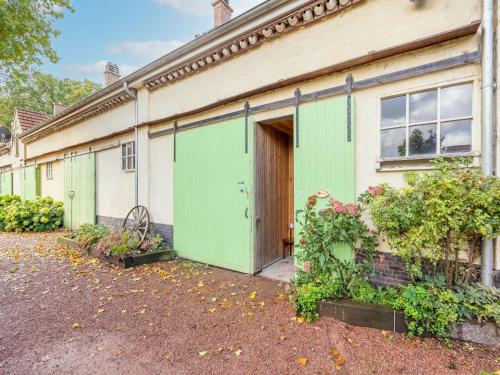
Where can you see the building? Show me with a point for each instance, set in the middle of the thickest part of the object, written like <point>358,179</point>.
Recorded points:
<point>226,136</point>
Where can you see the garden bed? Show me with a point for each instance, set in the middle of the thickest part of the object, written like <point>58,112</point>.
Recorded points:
<point>383,317</point>
<point>126,261</point>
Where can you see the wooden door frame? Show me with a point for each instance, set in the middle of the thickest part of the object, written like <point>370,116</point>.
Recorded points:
<point>257,256</point>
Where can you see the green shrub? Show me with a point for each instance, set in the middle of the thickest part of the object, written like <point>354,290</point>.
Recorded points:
<point>306,297</point>
<point>5,202</point>
<point>439,216</point>
<point>427,309</point>
<point>477,302</point>
<point>90,234</point>
<point>39,214</point>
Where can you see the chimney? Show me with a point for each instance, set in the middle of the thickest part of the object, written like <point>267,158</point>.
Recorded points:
<point>111,74</point>
<point>222,12</point>
<point>58,108</point>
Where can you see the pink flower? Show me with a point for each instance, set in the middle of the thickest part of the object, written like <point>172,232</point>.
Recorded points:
<point>337,205</point>
<point>375,190</point>
<point>307,267</point>
<point>352,209</point>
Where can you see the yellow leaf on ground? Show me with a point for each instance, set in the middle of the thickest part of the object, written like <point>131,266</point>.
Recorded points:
<point>252,295</point>
<point>76,325</point>
<point>302,361</point>
<point>203,353</point>
<point>237,353</point>
<point>212,310</point>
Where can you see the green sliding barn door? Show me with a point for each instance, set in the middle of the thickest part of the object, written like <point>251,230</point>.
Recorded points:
<point>6,183</point>
<point>325,158</point>
<point>212,195</point>
<point>79,191</point>
<point>30,182</point>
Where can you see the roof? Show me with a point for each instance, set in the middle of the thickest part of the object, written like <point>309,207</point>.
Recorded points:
<point>134,79</point>
<point>28,119</point>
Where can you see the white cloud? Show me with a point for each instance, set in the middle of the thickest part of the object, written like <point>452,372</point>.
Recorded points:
<point>145,50</point>
<point>95,71</point>
<point>203,8</point>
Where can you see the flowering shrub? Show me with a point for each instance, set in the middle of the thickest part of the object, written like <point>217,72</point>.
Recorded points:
<point>90,234</point>
<point>122,242</point>
<point>40,214</point>
<point>335,248</point>
<point>439,217</point>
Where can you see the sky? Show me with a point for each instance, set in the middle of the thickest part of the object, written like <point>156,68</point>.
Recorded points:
<point>130,33</point>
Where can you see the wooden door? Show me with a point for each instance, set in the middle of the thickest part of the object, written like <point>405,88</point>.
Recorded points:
<point>273,198</point>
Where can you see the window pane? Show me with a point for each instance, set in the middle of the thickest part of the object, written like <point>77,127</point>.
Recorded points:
<point>124,164</point>
<point>456,136</point>
<point>456,101</point>
<point>393,142</point>
<point>394,111</point>
<point>124,150</point>
<point>132,162</point>
<point>132,144</point>
<point>422,139</point>
<point>423,106</point>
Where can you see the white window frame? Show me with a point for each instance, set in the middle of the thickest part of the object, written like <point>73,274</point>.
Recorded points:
<point>407,125</point>
<point>128,156</point>
<point>49,171</point>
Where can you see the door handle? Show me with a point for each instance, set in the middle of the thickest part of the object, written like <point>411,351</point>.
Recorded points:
<point>257,220</point>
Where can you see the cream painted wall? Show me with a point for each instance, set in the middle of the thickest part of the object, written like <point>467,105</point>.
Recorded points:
<point>16,182</point>
<point>161,196</point>
<point>107,123</point>
<point>367,27</point>
<point>115,188</point>
<point>53,187</point>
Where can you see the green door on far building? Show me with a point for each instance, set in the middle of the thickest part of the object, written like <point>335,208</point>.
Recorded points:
<point>79,190</point>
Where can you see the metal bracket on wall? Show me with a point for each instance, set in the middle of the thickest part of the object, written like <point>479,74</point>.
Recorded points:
<point>348,83</point>
<point>247,112</point>
<point>175,141</point>
<point>298,94</point>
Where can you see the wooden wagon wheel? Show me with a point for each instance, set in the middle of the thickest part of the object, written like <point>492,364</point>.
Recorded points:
<point>137,221</point>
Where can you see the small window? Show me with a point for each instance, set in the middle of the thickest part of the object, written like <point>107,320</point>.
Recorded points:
<point>431,122</point>
<point>128,156</point>
<point>49,171</point>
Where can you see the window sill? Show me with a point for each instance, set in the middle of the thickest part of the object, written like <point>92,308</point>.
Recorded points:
<point>128,170</point>
<point>416,162</point>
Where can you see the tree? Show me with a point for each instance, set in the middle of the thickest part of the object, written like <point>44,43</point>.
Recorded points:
<point>39,92</point>
<point>25,34</point>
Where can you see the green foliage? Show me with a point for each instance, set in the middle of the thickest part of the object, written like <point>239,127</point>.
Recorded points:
<point>39,92</point>
<point>90,234</point>
<point>153,242</point>
<point>6,201</point>
<point>26,34</point>
<point>478,302</point>
<point>117,243</point>
<point>40,214</point>
<point>306,297</point>
<point>427,309</point>
<point>441,215</point>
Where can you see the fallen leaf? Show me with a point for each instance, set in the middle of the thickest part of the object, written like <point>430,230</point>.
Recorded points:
<point>252,295</point>
<point>302,361</point>
<point>237,353</point>
<point>76,325</point>
<point>203,353</point>
<point>45,358</point>
<point>99,311</point>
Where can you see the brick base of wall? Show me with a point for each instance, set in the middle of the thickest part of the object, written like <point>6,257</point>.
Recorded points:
<point>166,230</point>
<point>390,271</point>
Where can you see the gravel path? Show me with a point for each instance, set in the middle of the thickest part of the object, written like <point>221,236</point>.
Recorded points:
<point>63,313</point>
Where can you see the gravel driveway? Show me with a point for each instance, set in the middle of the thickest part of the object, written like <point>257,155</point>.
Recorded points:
<point>64,313</point>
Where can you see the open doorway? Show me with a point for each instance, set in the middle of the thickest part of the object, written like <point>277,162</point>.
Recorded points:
<point>274,204</point>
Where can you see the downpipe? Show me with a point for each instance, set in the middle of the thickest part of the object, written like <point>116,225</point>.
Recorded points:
<point>488,87</point>
<point>133,93</point>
